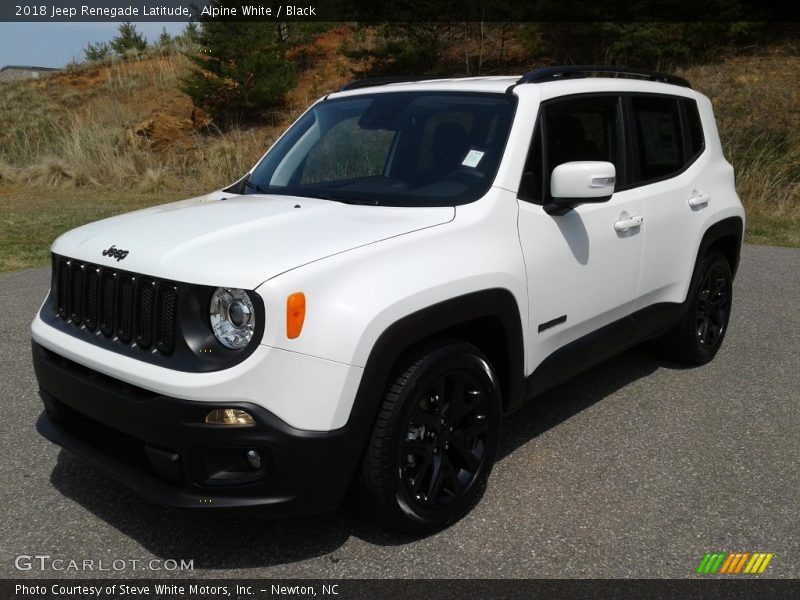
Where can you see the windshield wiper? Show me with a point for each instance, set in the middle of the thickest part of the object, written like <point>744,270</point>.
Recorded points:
<point>358,201</point>
<point>323,195</point>
<point>310,194</point>
<point>254,186</point>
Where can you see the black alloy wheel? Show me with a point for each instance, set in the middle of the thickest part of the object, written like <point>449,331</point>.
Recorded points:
<point>713,307</point>
<point>697,337</point>
<point>434,441</point>
<point>446,438</point>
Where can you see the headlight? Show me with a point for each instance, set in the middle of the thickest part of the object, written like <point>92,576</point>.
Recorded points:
<point>233,317</point>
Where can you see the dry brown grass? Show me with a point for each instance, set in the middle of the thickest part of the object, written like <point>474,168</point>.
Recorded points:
<point>768,182</point>
<point>95,125</point>
<point>53,172</point>
<point>7,173</point>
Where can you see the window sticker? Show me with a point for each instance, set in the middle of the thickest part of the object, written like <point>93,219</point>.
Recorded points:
<point>472,158</point>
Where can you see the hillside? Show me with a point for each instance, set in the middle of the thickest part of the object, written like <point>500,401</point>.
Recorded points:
<point>96,140</point>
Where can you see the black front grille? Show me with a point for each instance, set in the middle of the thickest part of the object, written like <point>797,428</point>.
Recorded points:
<point>159,321</point>
<point>92,299</point>
<point>144,300</point>
<point>124,307</point>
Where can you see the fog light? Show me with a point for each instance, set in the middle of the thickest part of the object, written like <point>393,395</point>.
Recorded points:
<point>230,416</point>
<point>254,458</point>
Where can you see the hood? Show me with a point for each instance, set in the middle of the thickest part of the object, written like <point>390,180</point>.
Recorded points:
<point>238,241</point>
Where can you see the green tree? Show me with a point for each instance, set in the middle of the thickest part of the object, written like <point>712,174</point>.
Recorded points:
<point>128,39</point>
<point>191,33</point>
<point>242,73</point>
<point>96,52</point>
<point>643,44</point>
<point>165,39</point>
<point>415,48</point>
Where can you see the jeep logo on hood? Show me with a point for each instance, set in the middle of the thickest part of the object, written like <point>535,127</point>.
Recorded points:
<point>113,252</point>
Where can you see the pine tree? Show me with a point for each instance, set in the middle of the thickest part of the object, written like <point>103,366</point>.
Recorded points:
<point>96,52</point>
<point>165,39</point>
<point>128,39</point>
<point>242,71</point>
<point>191,33</point>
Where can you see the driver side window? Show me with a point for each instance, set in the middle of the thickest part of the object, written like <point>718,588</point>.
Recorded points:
<point>586,128</point>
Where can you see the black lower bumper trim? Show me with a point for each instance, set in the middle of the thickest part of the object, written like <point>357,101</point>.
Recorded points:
<point>149,487</point>
<point>161,448</point>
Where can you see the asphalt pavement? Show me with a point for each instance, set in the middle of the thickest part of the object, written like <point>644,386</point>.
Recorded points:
<point>634,469</point>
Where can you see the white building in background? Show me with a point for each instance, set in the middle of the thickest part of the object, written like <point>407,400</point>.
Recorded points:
<point>15,72</point>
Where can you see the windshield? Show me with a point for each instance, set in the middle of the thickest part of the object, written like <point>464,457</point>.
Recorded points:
<point>392,149</point>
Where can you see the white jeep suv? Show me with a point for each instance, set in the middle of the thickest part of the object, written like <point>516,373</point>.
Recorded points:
<point>411,262</point>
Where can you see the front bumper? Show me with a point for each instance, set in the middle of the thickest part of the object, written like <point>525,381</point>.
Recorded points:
<point>304,391</point>
<point>161,448</point>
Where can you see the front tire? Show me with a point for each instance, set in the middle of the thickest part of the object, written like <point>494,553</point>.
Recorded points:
<point>434,441</point>
<point>697,337</point>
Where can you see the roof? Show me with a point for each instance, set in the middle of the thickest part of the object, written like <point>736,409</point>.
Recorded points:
<point>500,84</point>
<point>497,84</point>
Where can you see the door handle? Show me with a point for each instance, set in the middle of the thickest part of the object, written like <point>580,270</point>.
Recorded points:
<point>628,223</point>
<point>698,200</point>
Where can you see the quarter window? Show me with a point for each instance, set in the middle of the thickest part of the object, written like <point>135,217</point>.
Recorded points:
<point>695,128</point>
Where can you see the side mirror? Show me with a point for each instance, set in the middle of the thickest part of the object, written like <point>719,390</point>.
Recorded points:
<point>580,182</point>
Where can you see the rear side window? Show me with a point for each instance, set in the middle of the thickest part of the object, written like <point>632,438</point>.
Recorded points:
<point>659,139</point>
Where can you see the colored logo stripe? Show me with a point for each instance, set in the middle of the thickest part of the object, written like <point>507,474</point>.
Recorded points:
<point>733,563</point>
<point>711,562</point>
<point>737,562</point>
<point>727,564</point>
<point>758,563</point>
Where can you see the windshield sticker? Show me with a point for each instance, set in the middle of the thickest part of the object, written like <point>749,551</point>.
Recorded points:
<point>472,158</point>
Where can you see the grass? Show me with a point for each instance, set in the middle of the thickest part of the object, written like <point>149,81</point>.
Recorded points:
<point>105,138</point>
<point>773,231</point>
<point>31,220</point>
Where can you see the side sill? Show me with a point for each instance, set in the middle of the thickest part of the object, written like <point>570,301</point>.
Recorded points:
<point>602,344</point>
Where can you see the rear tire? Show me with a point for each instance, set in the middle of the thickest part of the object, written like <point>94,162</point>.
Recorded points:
<point>697,337</point>
<point>434,441</point>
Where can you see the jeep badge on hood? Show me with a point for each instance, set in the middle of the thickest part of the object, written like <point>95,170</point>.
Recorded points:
<point>113,252</point>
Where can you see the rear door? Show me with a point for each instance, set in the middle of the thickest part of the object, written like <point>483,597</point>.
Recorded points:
<point>668,170</point>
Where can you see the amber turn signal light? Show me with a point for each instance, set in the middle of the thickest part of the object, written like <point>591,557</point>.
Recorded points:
<point>295,314</point>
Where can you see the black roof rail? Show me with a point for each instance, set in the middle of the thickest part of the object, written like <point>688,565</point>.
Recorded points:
<point>570,72</point>
<point>374,81</point>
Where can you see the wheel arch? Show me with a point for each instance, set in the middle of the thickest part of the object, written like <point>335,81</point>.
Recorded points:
<point>724,236</point>
<point>490,319</point>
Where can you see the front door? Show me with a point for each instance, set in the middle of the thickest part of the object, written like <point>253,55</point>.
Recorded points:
<point>583,272</point>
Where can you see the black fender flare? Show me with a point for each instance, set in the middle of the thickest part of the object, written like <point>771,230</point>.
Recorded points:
<point>436,319</point>
<point>730,226</point>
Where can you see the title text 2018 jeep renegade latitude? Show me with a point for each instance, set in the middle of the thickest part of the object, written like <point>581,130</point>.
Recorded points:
<point>409,263</point>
